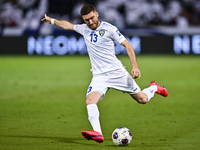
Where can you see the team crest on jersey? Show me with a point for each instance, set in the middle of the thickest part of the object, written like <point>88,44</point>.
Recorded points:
<point>102,32</point>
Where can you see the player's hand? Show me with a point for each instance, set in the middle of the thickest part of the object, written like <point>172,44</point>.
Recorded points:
<point>47,19</point>
<point>136,72</point>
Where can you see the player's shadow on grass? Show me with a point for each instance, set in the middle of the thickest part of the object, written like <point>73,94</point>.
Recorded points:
<point>80,141</point>
<point>53,139</point>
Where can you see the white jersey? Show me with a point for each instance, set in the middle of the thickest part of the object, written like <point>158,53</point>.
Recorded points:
<point>101,46</point>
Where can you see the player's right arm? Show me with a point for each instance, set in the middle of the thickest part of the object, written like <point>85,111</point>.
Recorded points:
<point>61,23</point>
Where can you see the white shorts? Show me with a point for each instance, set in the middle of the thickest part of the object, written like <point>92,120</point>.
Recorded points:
<point>118,79</point>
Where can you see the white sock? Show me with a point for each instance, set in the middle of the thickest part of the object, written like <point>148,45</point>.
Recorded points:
<point>93,117</point>
<point>150,91</point>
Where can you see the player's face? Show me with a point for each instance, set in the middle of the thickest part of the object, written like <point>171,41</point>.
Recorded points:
<point>91,20</point>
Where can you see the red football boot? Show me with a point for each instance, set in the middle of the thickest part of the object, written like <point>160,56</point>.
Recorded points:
<point>160,90</point>
<point>93,135</point>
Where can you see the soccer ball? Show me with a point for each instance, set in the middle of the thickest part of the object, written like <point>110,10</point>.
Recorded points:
<point>122,136</point>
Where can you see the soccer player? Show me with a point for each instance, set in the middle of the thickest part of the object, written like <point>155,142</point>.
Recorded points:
<point>108,71</point>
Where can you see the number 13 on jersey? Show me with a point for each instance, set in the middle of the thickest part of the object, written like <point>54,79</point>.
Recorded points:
<point>93,37</point>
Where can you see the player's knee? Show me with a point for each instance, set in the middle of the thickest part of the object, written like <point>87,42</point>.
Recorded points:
<point>90,101</point>
<point>93,98</point>
<point>142,101</point>
<point>140,97</point>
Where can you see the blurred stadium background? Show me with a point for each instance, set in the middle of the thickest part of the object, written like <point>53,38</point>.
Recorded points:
<point>152,26</point>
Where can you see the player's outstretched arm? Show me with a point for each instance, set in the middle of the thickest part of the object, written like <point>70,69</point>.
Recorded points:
<point>135,70</point>
<point>61,23</point>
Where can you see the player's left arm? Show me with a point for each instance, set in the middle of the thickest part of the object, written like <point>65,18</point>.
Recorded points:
<point>131,53</point>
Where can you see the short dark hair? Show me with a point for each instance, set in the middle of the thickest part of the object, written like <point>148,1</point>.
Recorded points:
<point>86,9</point>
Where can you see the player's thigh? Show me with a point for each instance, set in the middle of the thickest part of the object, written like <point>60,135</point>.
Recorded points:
<point>93,98</point>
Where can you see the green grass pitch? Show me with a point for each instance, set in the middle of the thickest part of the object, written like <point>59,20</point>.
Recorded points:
<point>42,104</point>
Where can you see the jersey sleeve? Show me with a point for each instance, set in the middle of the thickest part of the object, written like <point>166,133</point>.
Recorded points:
<point>116,35</point>
<point>80,28</point>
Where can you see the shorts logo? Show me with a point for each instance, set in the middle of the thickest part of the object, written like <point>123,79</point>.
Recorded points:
<point>89,89</point>
<point>101,32</point>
